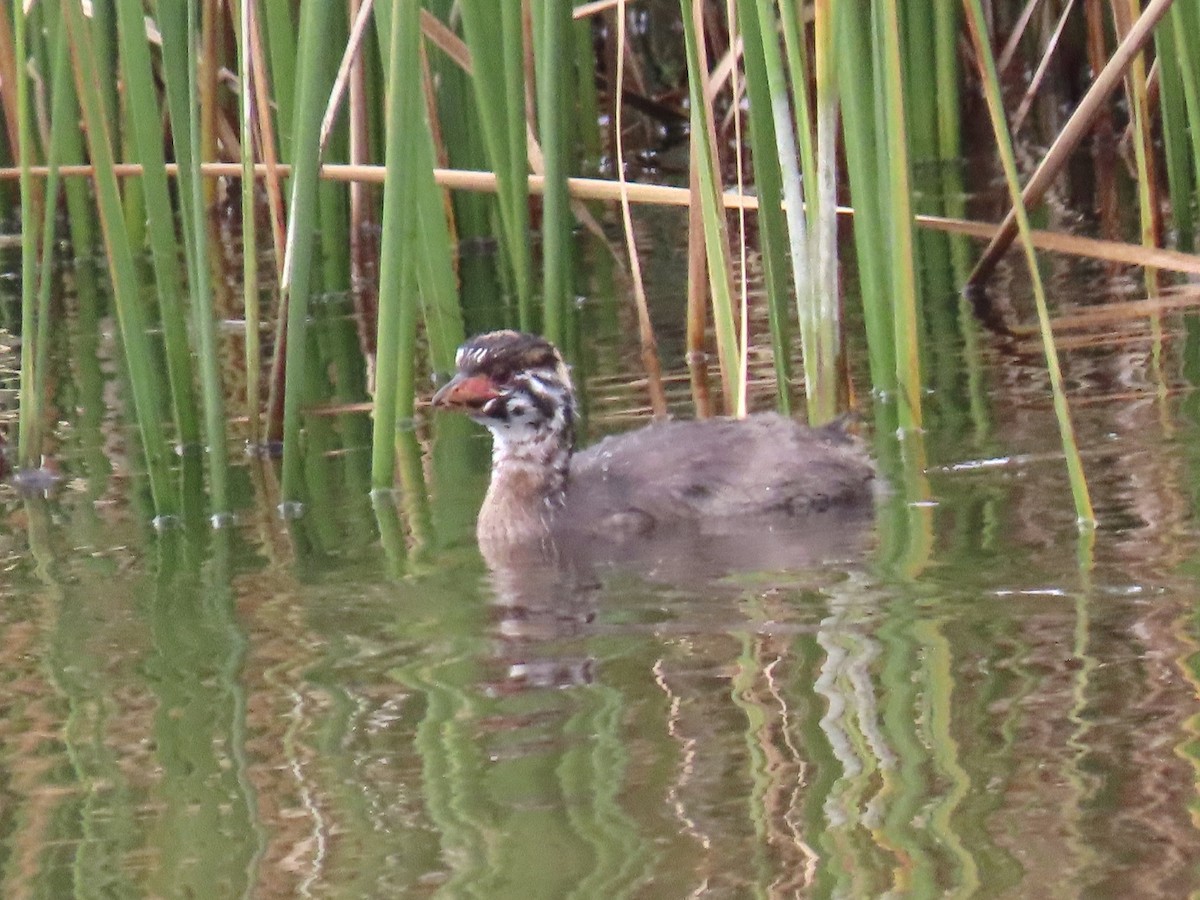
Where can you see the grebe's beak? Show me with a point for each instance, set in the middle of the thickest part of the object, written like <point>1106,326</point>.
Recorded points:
<point>465,392</point>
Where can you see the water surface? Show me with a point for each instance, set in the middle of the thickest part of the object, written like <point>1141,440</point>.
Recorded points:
<point>965,697</point>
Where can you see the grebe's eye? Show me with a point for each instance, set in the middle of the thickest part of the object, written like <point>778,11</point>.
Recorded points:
<point>496,408</point>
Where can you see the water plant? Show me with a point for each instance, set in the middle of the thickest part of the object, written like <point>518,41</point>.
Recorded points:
<point>440,90</point>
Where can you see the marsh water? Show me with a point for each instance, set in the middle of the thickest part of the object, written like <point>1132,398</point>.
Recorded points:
<point>962,696</point>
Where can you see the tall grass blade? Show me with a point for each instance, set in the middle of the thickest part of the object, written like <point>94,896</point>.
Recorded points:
<point>203,312</point>
<point>302,221</point>
<point>181,40</point>
<point>147,138</point>
<point>63,115</point>
<point>716,240</point>
<point>766,151</point>
<point>1176,141</point>
<point>397,277</point>
<point>797,151</point>
<point>904,276</point>
<point>244,16</point>
<point>991,85</point>
<point>29,426</point>
<point>858,79</point>
<point>946,26</point>
<point>497,58</point>
<point>823,219</point>
<point>130,315</point>
<point>1178,53</point>
<point>1148,205</point>
<point>555,39</point>
<point>432,243</point>
<point>280,39</point>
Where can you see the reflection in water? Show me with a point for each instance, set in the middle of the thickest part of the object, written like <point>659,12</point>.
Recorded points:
<point>366,723</point>
<point>950,697</point>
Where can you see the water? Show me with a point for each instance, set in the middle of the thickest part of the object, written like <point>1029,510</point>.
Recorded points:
<point>965,697</point>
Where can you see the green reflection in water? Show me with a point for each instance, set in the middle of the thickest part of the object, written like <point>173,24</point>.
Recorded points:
<point>97,817</point>
<point>205,836</point>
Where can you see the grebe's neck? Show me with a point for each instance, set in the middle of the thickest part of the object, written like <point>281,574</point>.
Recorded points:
<point>530,469</point>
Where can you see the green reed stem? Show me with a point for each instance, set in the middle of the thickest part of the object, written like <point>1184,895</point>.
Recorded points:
<point>555,32</point>
<point>991,85</point>
<point>177,23</point>
<point>796,47</point>
<point>302,221</point>
<point>858,79</point>
<point>801,190</point>
<point>498,77</point>
<point>147,135</point>
<point>919,66</point>
<point>433,244</point>
<point>103,29</point>
<point>436,274</point>
<point>244,14</point>
<point>29,436</point>
<point>81,212</point>
<point>716,240</point>
<point>904,275</point>
<point>280,37</point>
<point>397,300</point>
<point>63,113</point>
<point>1147,184</point>
<point>946,87</point>
<point>1176,146</point>
<point>586,113</point>
<point>762,57</point>
<point>1182,23</point>
<point>823,219</point>
<point>203,312</point>
<point>131,319</point>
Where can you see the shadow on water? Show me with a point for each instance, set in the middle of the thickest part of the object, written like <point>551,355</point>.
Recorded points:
<point>956,695</point>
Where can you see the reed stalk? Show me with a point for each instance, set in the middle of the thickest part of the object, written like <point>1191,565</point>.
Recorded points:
<point>244,14</point>
<point>147,137</point>
<point>81,211</point>
<point>8,90</point>
<point>29,426</point>
<point>302,223</point>
<point>859,79</point>
<point>1178,49</point>
<point>646,338</point>
<point>918,54</point>
<point>823,217</point>
<point>204,316</point>
<point>180,37</point>
<point>764,68</point>
<point>554,30</point>
<point>397,276</point>
<point>904,276</point>
<point>716,240</point>
<point>498,79</point>
<point>123,271</point>
<point>991,85</point>
<point>61,107</point>
<point>1148,201</point>
<point>432,243</point>
<point>797,154</point>
<point>946,25</point>
<point>279,28</point>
